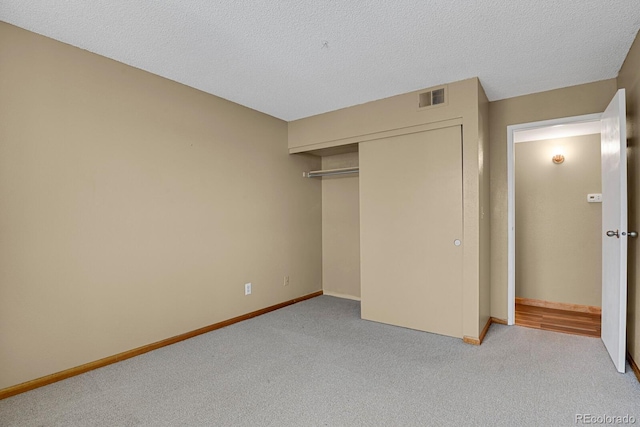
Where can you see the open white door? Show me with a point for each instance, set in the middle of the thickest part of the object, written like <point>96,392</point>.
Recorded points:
<point>614,229</point>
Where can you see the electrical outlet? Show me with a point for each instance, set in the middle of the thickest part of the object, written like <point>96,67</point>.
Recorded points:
<point>247,288</point>
<point>286,280</point>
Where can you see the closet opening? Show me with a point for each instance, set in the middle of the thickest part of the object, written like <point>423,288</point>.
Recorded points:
<point>340,220</point>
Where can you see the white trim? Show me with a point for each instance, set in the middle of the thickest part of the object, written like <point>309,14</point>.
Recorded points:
<point>511,209</point>
<point>337,295</point>
<point>556,132</point>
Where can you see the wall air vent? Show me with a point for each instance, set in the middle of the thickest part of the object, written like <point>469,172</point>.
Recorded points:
<point>432,98</point>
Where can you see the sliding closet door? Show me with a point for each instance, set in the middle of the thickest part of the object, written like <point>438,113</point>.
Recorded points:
<point>411,230</point>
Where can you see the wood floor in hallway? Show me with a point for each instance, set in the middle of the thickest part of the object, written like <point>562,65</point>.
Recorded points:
<point>549,319</point>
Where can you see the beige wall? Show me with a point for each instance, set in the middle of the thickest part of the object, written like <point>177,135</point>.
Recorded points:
<point>341,228</point>
<point>558,233</point>
<point>485,218</point>
<point>135,208</point>
<point>565,102</point>
<point>629,78</point>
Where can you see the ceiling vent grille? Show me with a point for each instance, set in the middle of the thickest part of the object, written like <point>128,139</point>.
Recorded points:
<point>431,98</point>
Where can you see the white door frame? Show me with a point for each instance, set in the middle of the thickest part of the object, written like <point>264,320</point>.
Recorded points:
<point>511,196</point>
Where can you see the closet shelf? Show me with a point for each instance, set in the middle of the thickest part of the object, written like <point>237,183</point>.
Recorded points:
<point>330,172</point>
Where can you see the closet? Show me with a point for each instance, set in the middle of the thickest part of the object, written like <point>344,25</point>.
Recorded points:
<point>423,198</point>
<point>341,225</point>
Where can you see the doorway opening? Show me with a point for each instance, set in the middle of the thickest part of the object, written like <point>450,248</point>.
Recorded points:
<point>614,221</point>
<point>543,130</point>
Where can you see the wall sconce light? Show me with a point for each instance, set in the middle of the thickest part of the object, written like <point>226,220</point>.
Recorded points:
<point>557,155</point>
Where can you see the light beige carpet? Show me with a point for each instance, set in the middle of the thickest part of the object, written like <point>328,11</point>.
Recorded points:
<point>316,363</point>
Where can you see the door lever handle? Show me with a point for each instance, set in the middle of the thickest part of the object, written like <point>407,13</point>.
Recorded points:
<point>612,233</point>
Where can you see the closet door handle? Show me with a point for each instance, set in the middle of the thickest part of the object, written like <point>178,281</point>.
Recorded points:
<point>612,233</point>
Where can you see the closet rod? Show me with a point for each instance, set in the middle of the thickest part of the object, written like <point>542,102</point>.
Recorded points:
<point>329,172</point>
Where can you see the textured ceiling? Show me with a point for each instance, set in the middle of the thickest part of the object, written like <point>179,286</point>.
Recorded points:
<point>296,58</point>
